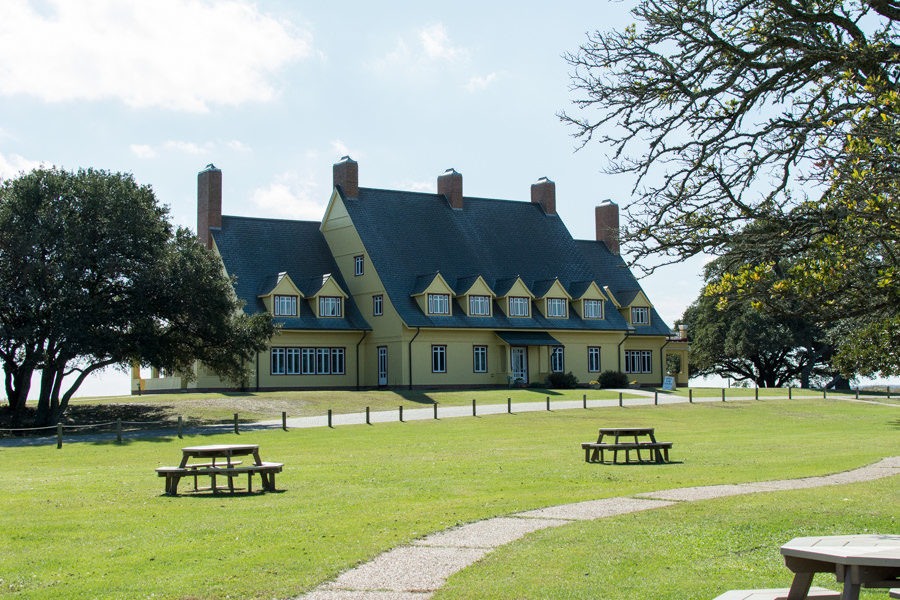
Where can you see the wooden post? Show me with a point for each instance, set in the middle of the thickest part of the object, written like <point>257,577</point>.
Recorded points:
<point>401,413</point>
<point>857,393</point>
<point>584,400</point>
<point>824,394</point>
<point>474,413</point>
<point>284,420</point>
<point>790,392</point>
<point>329,417</point>
<point>723,394</point>
<point>509,405</point>
<point>119,430</point>
<point>756,392</point>
<point>368,421</point>
<point>889,392</point>
<point>548,402</point>
<point>435,410</point>
<point>656,397</point>
<point>620,399</point>
<point>179,426</point>
<point>236,424</point>
<point>691,395</point>
<point>58,436</point>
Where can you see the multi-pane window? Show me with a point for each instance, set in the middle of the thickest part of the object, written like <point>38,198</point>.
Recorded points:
<point>285,306</point>
<point>439,359</point>
<point>330,306</point>
<point>557,362</point>
<point>378,305</point>
<point>593,359</point>
<point>278,361</point>
<point>593,309</point>
<point>308,361</point>
<point>479,359</point>
<point>438,304</point>
<point>638,361</point>
<point>640,315</point>
<point>519,306</point>
<point>358,262</point>
<point>556,307</point>
<point>480,306</point>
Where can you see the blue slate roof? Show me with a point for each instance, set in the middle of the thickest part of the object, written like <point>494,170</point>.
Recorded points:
<point>259,252</point>
<point>412,236</point>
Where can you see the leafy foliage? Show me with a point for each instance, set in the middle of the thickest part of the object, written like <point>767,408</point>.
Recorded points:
<point>95,276</point>
<point>565,381</point>
<point>779,114</point>
<point>613,379</point>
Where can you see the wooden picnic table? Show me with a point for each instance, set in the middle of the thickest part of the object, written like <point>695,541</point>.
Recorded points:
<point>857,561</point>
<point>220,462</point>
<point>593,451</point>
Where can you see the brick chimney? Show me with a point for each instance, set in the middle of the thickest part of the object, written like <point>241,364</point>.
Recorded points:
<point>543,192</point>
<point>346,176</point>
<point>607,219</point>
<point>209,202</point>
<point>450,185</point>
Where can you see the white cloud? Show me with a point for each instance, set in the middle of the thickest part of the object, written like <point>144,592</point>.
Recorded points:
<point>13,165</point>
<point>238,146</point>
<point>436,44</point>
<point>188,147</point>
<point>292,196</point>
<point>143,151</point>
<point>477,84</point>
<point>175,54</point>
<point>432,44</point>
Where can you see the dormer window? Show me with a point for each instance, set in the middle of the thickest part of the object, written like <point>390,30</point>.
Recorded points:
<point>480,306</point>
<point>640,315</point>
<point>285,306</point>
<point>556,307</point>
<point>519,306</point>
<point>330,306</point>
<point>438,304</point>
<point>358,265</point>
<point>593,309</point>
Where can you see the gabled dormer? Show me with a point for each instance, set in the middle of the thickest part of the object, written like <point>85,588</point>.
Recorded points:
<point>433,294</point>
<point>553,299</point>
<point>590,303</point>
<point>329,300</point>
<point>281,296</point>
<point>516,297</point>
<point>635,307</point>
<point>475,296</point>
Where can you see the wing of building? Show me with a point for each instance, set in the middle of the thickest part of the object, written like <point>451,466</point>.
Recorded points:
<point>414,290</point>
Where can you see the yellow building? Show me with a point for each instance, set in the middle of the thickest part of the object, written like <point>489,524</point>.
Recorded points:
<point>416,290</point>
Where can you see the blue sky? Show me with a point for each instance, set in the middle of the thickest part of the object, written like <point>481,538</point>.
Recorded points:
<point>274,92</point>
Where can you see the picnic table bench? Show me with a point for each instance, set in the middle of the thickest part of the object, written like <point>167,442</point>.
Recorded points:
<point>594,451</point>
<point>228,468</point>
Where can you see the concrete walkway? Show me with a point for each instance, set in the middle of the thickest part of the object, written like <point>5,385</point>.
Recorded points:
<point>417,571</point>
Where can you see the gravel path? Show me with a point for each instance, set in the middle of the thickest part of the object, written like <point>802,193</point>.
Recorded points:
<point>416,571</point>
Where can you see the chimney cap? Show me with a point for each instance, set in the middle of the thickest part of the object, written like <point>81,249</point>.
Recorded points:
<point>544,180</point>
<point>210,167</point>
<point>607,202</point>
<point>346,159</point>
<point>450,171</point>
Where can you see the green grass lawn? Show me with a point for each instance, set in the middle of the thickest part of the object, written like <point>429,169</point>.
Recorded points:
<point>90,520</point>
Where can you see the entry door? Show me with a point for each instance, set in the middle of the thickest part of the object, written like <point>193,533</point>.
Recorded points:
<point>382,365</point>
<point>519,363</point>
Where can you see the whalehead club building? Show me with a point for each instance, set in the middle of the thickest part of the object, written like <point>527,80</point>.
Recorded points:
<point>398,289</point>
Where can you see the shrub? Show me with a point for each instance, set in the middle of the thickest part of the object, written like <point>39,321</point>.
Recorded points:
<point>563,380</point>
<point>613,379</point>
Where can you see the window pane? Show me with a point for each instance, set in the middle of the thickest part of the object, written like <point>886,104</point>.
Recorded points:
<point>594,359</point>
<point>308,361</point>
<point>479,359</point>
<point>277,361</point>
<point>377,305</point>
<point>337,361</point>
<point>593,309</point>
<point>439,359</point>
<point>556,359</point>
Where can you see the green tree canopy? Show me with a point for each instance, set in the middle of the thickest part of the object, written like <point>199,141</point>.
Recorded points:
<point>782,114</point>
<point>93,275</point>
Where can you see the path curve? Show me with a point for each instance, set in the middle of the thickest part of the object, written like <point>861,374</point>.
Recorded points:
<point>418,570</point>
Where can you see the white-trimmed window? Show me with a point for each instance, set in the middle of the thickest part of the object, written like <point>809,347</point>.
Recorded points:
<point>638,361</point>
<point>479,359</point>
<point>557,307</point>
<point>557,359</point>
<point>480,306</point>
<point>593,359</point>
<point>308,361</point>
<point>640,315</point>
<point>285,306</point>
<point>323,361</point>
<point>438,304</point>
<point>330,306</point>
<point>278,361</point>
<point>519,306</point>
<point>593,309</point>
<point>358,264</point>
<point>439,359</point>
<point>378,305</point>
<point>337,361</point>
<point>293,361</point>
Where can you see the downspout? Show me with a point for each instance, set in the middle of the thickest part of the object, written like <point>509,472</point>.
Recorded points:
<point>627,333</point>
<point>357,357</point>
<point>662,364</point>
<point>418,329</point>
